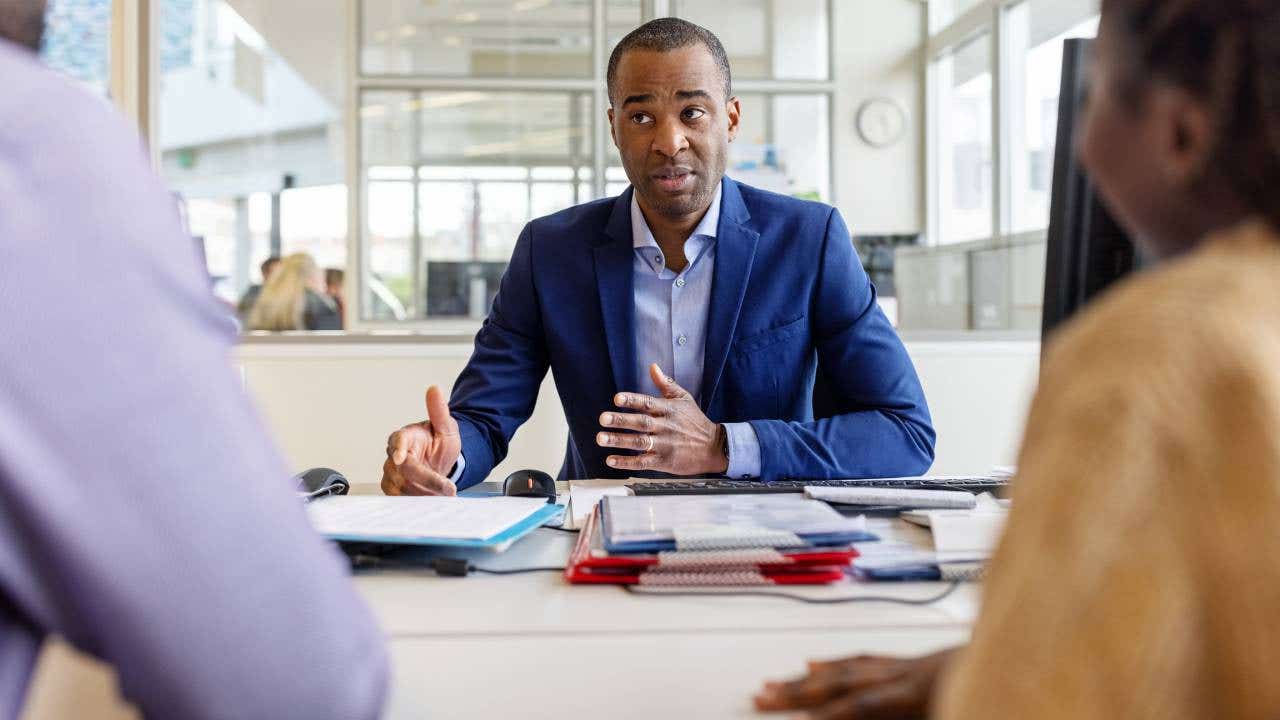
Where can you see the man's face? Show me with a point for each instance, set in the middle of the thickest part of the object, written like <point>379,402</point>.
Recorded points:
<point>672,125</point>
<point>22,22</point>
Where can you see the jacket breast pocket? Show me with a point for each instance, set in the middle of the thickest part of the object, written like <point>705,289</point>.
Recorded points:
<point>780,333</point>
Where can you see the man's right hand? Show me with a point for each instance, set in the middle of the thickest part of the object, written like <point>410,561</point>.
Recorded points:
<point>420,456</point>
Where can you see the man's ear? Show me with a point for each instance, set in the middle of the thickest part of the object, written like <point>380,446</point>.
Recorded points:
<point>612,131</point>
<point>733,109</point>
<point>1184,127</point>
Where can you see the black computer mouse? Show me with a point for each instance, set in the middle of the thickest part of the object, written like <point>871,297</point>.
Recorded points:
<point>530,483</point>
<point>321,478</point>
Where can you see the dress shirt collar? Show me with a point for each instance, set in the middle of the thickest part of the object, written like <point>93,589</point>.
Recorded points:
<point>642,236</point>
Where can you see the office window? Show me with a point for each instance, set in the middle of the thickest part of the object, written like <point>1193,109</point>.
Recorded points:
<point>452,178</point>
<point>475,117</point>
<point>983,264</point>
<point>766,39</point>
<point>965,183</point>
<point>483,38</point>
<point>783,144</point>
<point>77,41</point>
<point>249,115</point>
<point>1036,31</point>
<point>944,12</point>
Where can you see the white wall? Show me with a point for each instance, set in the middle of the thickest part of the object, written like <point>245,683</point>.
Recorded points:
<point>334,404</point>
<point>876,54</point>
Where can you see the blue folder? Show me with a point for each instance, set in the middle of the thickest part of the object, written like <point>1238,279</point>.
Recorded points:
<point>498,542</point>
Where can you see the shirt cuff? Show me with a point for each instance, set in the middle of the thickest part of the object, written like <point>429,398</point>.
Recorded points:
<point>744,451</point>
<point>456,474</point>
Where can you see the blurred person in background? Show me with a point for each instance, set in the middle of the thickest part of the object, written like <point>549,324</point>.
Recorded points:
<point>245,306</point>
<point>333,287</point>
<point>295,299</point>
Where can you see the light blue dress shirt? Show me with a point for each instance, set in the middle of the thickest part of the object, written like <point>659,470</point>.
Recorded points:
<point>671,320</point>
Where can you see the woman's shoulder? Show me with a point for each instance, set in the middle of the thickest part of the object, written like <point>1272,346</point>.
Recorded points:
<point>1215,307</point>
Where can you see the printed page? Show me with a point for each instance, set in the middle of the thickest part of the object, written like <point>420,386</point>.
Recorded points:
<point>411,518</point>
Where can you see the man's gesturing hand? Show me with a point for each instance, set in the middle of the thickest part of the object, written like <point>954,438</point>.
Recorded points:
<point>420,456</point>
<point>671,433</point>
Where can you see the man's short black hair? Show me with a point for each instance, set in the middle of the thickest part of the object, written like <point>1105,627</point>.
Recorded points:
<point>664,35</point>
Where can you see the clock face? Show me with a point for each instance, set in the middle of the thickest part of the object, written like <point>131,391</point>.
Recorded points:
<point>881,122</point>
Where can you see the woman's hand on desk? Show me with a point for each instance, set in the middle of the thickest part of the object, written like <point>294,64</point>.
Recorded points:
<point>420,456</point>
<point>862,688</point>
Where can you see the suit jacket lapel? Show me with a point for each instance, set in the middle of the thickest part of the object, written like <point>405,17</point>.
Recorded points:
<point>614,257</point>
<point>735,253</point>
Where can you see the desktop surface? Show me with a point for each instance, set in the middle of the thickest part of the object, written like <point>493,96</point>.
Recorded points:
<point>605,650</point>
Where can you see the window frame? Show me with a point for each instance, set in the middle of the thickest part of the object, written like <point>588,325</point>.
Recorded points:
<point>601,156</point>
<point>990,17</point>
<point>134,79</point>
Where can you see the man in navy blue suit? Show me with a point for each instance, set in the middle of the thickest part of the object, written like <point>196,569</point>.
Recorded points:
<point>684,321</point>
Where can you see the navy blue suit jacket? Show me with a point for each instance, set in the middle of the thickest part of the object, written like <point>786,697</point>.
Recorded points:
<point>788,296</point>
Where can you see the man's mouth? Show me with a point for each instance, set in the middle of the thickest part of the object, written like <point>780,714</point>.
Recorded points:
<point>672,179</point>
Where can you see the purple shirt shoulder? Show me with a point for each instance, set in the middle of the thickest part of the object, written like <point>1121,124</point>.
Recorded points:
<point>144,514</point>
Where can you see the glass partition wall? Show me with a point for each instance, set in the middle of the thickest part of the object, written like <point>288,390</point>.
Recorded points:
<point>475,117</point>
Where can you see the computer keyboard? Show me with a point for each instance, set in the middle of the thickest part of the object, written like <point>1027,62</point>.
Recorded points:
<point>996,485</point>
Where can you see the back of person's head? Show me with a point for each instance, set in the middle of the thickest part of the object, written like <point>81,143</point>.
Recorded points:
<point>269,266</point>
<point>664,35</point>
<point>1203,76</point>
<point>22,22</point>
<point>333,278</point>
<point>283,301</point>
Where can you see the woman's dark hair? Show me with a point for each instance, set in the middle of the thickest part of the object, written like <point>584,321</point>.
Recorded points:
<point>1227,53</point>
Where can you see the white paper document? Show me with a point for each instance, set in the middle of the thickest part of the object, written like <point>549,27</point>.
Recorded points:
<point>966,532</point>
<point>414,518</point>
<point>583,501</point>
<point>902,497</point>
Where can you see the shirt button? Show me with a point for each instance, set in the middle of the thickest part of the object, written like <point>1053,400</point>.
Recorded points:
<point>657,259</point>
<point>682,340</point>
<point>679,282</point>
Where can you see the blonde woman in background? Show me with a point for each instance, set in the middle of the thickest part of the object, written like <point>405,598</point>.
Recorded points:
<point>294,299</point>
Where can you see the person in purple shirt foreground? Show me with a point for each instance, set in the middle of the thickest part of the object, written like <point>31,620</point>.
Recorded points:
<point>144,516</point>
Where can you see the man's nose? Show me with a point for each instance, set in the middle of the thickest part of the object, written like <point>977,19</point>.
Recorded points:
<point>670,138</point>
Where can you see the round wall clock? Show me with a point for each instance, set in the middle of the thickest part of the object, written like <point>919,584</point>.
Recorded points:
<point>881,122</point>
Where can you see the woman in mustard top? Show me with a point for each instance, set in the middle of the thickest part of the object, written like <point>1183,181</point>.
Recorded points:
<point>1139,574</point>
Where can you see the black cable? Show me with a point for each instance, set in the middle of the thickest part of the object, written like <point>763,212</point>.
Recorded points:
<point>635,590</point>
<point>561,529</point>
<point>515,571</point>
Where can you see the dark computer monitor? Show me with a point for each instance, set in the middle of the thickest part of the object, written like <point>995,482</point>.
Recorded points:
<point>463,288</point>
<point>1087,250</point>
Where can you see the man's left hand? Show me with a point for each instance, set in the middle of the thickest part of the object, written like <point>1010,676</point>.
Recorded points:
<point>671,433</point>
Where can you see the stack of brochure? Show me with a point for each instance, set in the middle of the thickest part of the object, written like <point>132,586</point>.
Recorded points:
<point>715,540</point>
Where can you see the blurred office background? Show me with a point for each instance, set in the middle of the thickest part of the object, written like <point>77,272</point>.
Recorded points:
<point>408,141</point>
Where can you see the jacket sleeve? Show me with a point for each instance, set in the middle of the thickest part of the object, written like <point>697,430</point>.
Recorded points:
<point>884,429</point>
<point>498,388</point>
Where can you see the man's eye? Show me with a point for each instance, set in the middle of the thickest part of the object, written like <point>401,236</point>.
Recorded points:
<point>694,113</point>
<point>641,119</point>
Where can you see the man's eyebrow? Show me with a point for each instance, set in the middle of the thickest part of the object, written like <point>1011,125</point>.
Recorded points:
<point>647,97</point>
<point>690,94</point>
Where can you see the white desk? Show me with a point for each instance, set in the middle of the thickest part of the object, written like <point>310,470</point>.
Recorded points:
<point>534,646</point>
